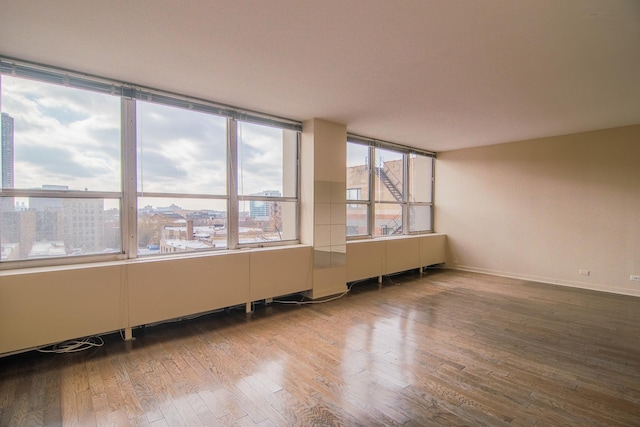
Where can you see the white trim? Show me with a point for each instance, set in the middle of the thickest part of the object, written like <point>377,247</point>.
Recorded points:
<point>550,281</point>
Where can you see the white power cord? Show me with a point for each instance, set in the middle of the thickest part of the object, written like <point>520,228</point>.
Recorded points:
<point>312,301</point>
<point>320,301</point>
<point>73,346</point>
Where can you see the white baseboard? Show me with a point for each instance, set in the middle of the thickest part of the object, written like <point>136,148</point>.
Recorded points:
<point>540,279</point>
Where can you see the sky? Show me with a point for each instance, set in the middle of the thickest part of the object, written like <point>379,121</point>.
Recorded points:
<point>70,137</point>
<point>358,154</point>
<point>63,136</point>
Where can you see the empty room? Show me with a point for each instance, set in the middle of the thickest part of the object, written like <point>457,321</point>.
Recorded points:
<point>333,213</point>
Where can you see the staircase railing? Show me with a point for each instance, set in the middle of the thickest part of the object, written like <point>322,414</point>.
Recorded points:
<point>393,188</point>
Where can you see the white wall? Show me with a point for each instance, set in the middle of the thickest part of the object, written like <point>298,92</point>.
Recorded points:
<point>544,209</point>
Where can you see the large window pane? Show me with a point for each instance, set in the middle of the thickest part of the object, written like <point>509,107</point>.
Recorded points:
<point>357,171</point>
<point>180,151</point>
<point>60,227</point>
<point>60,136</point>
<point>389,181</point>
<point>180,225</point>
<point>60,140</point>
<point>267,161</point>
<point>388,219</point>
<point>357,219</point>
<point>420,218</point>
<point>420,178</point>
<point>263,221</point>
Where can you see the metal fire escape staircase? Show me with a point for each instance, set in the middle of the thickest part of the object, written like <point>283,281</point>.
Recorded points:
<point>397,195</point>
<point>384,177</point>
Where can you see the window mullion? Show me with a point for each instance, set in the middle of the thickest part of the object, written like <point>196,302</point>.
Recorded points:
<point>129,179</point>
<point>232,186</point>
<point>298,184</point>
<point>433,184</point>
<point>372,178</point>
<point>405,194</point>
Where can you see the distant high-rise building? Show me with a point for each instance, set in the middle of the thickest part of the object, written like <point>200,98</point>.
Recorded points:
<point>7,160</point>
<point>262,210</point>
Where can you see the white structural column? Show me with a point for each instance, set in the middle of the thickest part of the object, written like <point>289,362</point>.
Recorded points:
<point>323,203</point>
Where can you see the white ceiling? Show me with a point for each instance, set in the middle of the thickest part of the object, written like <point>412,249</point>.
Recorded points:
<point>433,74</point>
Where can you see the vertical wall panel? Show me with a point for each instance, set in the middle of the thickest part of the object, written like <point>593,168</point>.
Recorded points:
<point>364,259</point>
<point>39,307</point>
<point>280,271</point>
<point>168,288</point>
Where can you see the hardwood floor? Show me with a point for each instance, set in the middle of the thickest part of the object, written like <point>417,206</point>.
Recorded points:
<point>447,348</point>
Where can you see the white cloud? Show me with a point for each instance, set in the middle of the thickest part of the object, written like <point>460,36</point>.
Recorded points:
<point>260,157</point>
<point>63,136</point>
<point>71,137</point>
<point>181,151</point>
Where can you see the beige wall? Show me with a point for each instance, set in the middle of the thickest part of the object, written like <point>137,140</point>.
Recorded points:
<point>323,203</point>
<point>545,209</point>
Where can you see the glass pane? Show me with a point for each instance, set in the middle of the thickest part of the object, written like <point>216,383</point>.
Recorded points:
<point>357,171</point>
<point>420,178</point>
<point>58,136</point>
<point>357,219</point>
<point>267,159</point>
<point>181,151</point>
<point>420,218</point>
<point>388,219</point>
<point>180,225</point>
<point>264,221</point>
<point>41,227</point>
<point>389,176</point>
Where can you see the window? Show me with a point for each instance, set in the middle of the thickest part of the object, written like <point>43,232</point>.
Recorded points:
<point>389,192</point>
<point>267,184</point>
<point>420,192</point>
<point>60,157</point>
<point>401,181</point>
<point>354,193</point>
<point>182,179</point>
<point>105,170</point>
<point>358,184</point>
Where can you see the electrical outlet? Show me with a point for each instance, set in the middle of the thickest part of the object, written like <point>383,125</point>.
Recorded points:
<point>635,278</point>
<point>584,272</point>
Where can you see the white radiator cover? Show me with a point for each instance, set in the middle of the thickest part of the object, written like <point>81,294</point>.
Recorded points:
<point>371,258</point>
<point>47,305</point>
<point>41,306</point>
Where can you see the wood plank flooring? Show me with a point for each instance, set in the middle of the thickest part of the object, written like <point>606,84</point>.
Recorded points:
<point>445,349</point>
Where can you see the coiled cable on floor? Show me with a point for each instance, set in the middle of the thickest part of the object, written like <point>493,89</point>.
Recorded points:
<point>73,346</point>
<point>319,301</point>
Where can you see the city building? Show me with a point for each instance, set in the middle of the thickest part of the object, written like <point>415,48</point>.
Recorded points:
<point>7,154</point>
<point>263,210</point>
<point>387,188</point>
<point>78,223</point>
